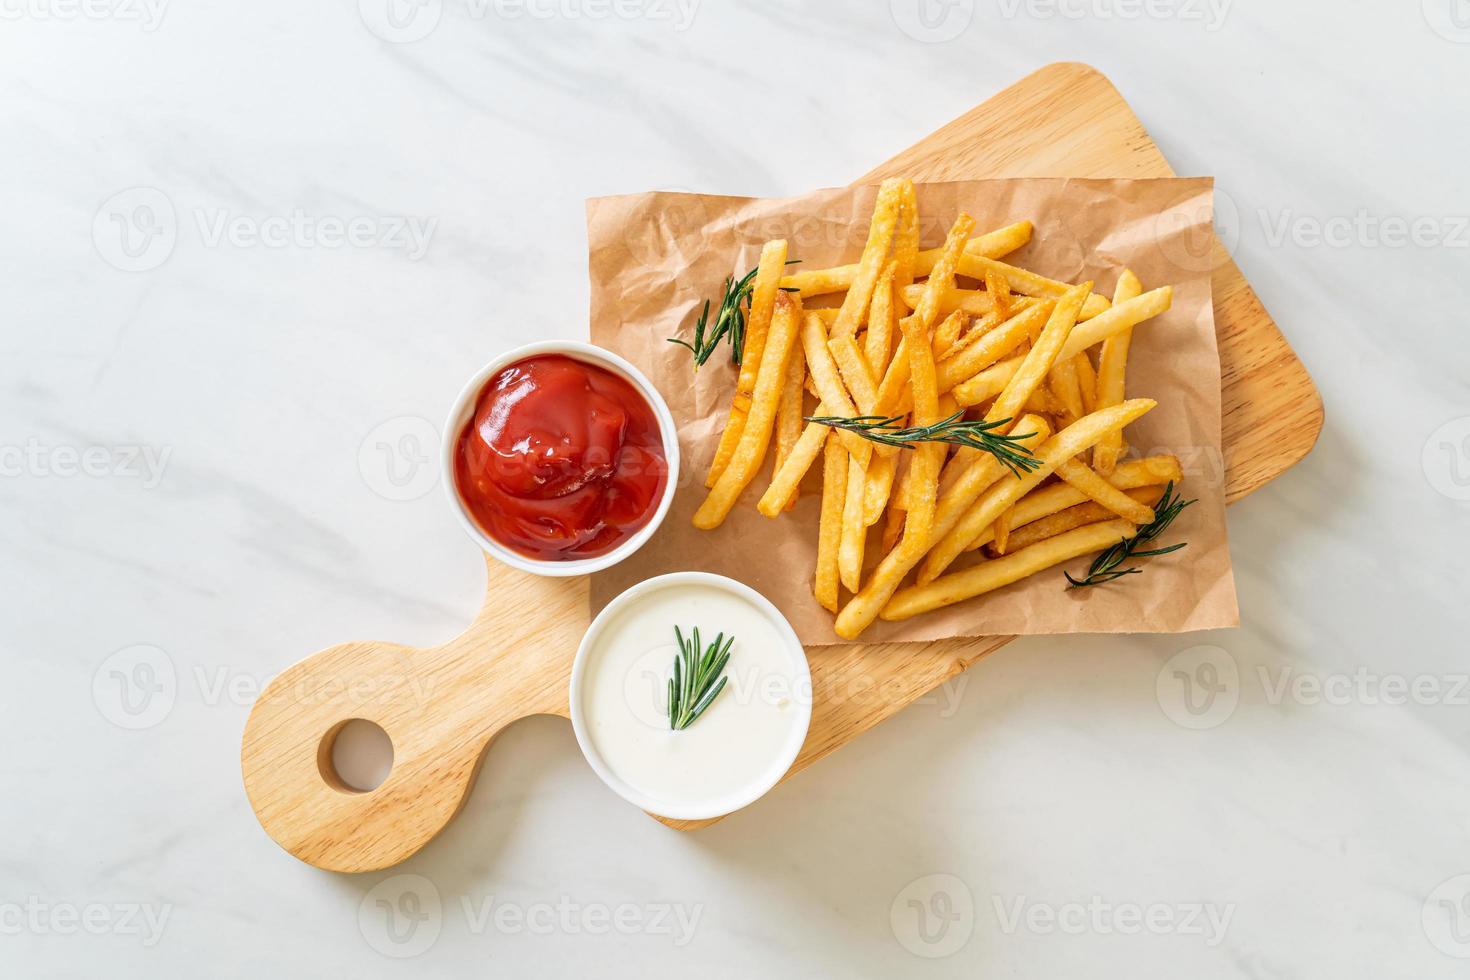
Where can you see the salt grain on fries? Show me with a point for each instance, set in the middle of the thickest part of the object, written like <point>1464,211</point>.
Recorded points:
<point>890,384</point>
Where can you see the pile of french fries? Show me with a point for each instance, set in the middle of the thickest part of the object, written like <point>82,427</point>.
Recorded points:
<point>924,334</point>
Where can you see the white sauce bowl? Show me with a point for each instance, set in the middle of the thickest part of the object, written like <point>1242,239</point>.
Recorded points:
<point>745,741</point>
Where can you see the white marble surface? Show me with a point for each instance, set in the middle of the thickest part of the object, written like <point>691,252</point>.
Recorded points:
<point>1316,830</point>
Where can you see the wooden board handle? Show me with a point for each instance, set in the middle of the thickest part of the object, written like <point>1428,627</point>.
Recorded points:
<point>441,707</point>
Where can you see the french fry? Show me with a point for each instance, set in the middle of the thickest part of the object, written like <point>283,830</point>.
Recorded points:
<point>1081,476</point>
<point>1063,384</point>
<point>881,321</point>
<point>947,333</point>
<point>987,383</point>
<point>978,302</point>
<point>854,531</point>
<point>1111,365</point>
<point>1063,446</point>
<point>1000,292</point>
<point>892,528</point>
<point>829,534</point>
<point>852,367</point>
<point>980,473</point>
<point>756,434</point>
<point>1094,331</point>
<point>993,245</point>
<point>875,254</point>
<point>879,486</point>
<point>918,526</point>
<point>906,243</point>
<point>1152,471</point>
<point>991,575</point>
<point>1075,516</point>
<point>1020,280</point>
<point>829,385</point>
<point>789,413</point>
<point>941,279</point>
<point>757,324</point>
<point>965,363</point>
<point>1002,528</point>
<point>786,481</point>
<point>1087,381</point>
<point>1042,356</point>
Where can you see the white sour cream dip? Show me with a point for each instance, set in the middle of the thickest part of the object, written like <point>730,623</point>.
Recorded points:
<point>739,747</point>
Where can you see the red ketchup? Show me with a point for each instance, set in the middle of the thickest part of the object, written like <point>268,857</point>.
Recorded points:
<point>561,459</point>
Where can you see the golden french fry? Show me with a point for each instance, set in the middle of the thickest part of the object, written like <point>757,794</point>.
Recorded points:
<point>829,385</point>
<point>892,528</point>
<point>879,485</point>
<point>757,323</point>
<point>854,531</point>
<point>978,302</point>
<point>1000,292</point>
<point>1064,385</point>
<point>980,473</point>
<point>829,534</point>
<point>881,322</point>
<point>1063,446</point>
<point>1152,471</point>
<point>1002,528</point>
<point>786,481</point>
<point>1111,365</point>
<point>1075,516</point>
<point>789,413</point>
<point>922,499</point>
<point>1081,476</point>
<point>941,278</point>
<point>852,367</point>
<point>1042,356</point>
<point>906,243</point>
<point>1094,331</point>
<point>756,435</point>
<point>1087,381</point>
<point>991,575</point>
<point>875,253</point>
<point>947,333</point>
<point>986,384</point>
<point>994,245</point>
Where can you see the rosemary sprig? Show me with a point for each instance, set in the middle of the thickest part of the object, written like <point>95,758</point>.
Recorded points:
<point>1105,567</point>
<point>729,322</point>
<point>693,687</point>
<point>955,430</point>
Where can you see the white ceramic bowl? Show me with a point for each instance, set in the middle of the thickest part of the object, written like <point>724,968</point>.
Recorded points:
<point>779,763</point>
<point>464,408</point>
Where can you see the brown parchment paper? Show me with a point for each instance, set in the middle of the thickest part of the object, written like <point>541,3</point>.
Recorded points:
<point>655,258</point>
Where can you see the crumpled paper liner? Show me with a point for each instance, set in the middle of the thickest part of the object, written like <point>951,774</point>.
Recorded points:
<point>655,258</point>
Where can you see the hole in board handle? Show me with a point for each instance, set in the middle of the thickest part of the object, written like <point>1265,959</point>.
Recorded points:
<point>355,756</point>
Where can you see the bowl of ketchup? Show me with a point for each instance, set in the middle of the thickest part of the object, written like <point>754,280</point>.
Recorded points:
<point>560,458</point>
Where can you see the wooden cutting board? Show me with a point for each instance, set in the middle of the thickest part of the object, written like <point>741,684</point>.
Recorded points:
<point>442,706</point>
